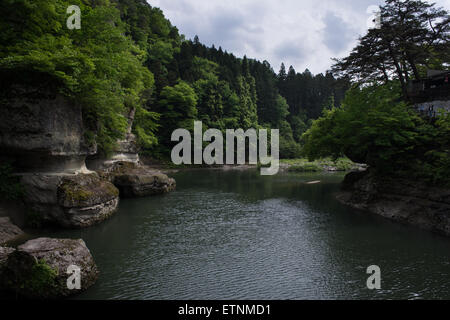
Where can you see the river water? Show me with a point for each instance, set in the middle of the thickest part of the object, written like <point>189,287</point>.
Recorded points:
<point>238,235</point>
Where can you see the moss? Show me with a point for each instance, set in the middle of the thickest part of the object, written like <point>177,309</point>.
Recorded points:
<point>39,282</point>
<point>303,165</point>
<point>112,190</point>
<point>344,164</point>
<point>306,167</point>
<point>75,193</point>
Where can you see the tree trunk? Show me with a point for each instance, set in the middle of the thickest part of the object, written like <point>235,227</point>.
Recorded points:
<point>399,71</point>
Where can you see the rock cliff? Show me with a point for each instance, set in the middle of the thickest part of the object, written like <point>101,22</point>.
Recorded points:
<point>402,200</point>
<point>43,136</point>
<point>125,170</point>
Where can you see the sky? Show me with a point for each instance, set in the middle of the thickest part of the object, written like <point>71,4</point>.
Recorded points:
<point>301,33</point>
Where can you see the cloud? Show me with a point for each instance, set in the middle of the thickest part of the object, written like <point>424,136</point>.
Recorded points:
<point>290,51</point>
<point>302,33</point>
<point>338,34</point>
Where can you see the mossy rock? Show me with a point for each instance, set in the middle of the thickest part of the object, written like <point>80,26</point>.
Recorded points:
<point>85,190</point>
<point>38,269</point>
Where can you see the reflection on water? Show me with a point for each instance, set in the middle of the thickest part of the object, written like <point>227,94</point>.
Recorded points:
<point>238,235</point>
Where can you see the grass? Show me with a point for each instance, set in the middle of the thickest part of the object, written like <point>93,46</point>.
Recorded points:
<point>304,165</point>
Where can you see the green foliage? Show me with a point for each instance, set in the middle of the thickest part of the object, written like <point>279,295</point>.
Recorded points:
<point>373,127</point>
<point>304,165</point>
<point>413,36</point>
<point>41,279</point>
<point>128,58</point>
<point>97,66</point>
<point>146,126</point>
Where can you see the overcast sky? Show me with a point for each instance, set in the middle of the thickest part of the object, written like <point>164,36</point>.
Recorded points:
<point>301,33</point>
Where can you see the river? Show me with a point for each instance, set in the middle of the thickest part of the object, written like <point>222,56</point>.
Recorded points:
<point>239,235</point>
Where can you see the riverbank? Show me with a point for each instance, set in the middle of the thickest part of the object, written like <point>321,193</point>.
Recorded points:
<point>398,199</point>
<point>286,165</point>
<point>321,165</point>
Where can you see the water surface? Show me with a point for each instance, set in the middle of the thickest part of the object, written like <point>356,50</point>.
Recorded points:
<point>238,235</point>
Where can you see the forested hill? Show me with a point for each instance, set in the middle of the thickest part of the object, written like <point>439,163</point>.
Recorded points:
<point>128,56</point>
<point>231,92</point>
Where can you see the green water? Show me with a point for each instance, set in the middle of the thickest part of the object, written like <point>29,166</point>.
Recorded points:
<point>237,235</point>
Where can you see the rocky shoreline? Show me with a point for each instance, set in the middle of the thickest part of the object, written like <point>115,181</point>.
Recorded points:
<point>66,183</point>
<point>401,200</point>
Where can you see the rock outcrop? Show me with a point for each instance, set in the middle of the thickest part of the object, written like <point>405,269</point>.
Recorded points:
<point>43,135</point>
<point>72,201</point>
<point>402,200</point>
<point>125,170</point>
<point>8,231</point>
<point>39,269</point>
<point>134,180</point>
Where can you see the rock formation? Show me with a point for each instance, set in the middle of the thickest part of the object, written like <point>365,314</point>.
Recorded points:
<point>135,180</point>
<point>43,136</point>
<point>39,269</point>
<point>127,173</point>
<point>402,200</point>
<point>76,201</point>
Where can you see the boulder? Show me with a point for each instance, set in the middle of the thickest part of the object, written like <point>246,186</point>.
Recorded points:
<point>124,169</point>
<point>134,180</point>
<point>8,231</point>
<point>39,269</point>
<point>72,201</point>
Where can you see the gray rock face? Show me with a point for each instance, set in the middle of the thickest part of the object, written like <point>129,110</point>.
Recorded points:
<point>8,231</point>
<point>43,135</point>
<point>72,201</point>
<point>126,172</point>
<point>138,181</point>
<point>126,150</point>
<point>39,268</point>
<point>401,200</point>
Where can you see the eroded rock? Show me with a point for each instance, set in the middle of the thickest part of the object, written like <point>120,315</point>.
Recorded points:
<point>39,268</point>
<point>401,200</point>
<point>138,181</point>
<point>43,133</point>
<point>8,231</point>
<point>79,200</point>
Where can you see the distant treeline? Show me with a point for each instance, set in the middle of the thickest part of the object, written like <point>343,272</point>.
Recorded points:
<point>229,92</point>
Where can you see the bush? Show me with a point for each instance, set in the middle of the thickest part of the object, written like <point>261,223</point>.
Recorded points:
<point>375,127</point>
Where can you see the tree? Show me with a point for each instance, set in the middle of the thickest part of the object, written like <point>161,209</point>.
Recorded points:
<point>178,108</point>
<point>98,65</point>
<point>414,35</point>
<point>375,128</point>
